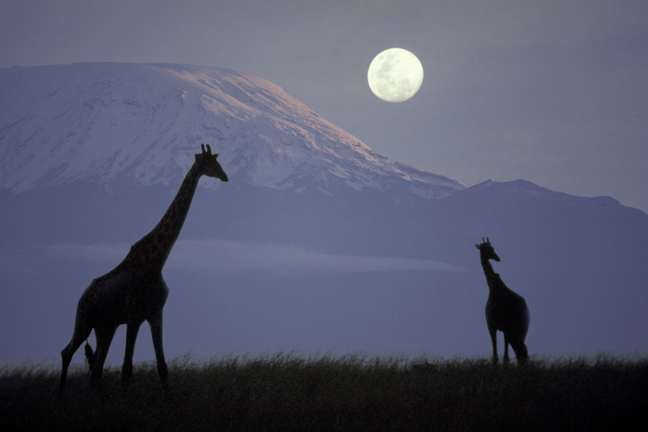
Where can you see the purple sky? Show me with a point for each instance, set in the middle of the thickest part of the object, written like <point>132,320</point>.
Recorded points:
<point>554,92</point>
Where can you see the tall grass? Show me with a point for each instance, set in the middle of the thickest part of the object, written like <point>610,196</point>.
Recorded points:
<point>287,392</point>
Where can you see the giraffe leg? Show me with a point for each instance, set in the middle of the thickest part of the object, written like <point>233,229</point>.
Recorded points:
<point>506,347</point>
<point>104,336</point>
<point>523,356</point>
<point>132,329</point>
<point>156,332</point>
<point>521,351</point>
<point>493,335</point>
<point>81,333</point>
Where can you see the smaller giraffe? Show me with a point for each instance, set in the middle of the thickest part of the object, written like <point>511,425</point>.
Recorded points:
<point>506,310</point>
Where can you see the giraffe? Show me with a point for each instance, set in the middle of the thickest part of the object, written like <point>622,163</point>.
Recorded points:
<point>134,291</point>
<point>506,310</point>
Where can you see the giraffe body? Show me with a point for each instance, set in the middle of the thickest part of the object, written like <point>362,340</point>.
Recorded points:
<point>134,291</point>
<point>506,310</point>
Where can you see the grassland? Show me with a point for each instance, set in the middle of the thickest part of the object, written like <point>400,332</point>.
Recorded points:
<point>350,393</point>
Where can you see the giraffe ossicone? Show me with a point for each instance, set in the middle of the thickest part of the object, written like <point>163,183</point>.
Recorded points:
<point>506,310</point>
<point>134,291</point>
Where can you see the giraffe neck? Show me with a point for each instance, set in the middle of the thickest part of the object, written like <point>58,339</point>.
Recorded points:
<point>154,248</point>
<point>490,274</point>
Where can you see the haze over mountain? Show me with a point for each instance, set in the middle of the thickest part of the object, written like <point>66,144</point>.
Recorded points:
<point>316,243</point>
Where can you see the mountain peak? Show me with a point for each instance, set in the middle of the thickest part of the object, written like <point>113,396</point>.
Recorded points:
<point>144,122</point>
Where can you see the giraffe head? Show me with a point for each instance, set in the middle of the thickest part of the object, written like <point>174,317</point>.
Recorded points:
<point>208,164</point>
<point>486,250</point>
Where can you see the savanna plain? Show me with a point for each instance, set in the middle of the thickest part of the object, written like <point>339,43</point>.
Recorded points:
<point>287,392</point>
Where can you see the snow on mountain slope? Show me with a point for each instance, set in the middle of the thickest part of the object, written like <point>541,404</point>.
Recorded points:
<point>143,122</point>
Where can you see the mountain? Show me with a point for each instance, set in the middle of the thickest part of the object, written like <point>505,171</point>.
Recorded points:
<point>133,122</point>
<point>315,244</point>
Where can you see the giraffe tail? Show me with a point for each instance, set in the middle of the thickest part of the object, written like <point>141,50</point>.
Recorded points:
<point>90,356</point>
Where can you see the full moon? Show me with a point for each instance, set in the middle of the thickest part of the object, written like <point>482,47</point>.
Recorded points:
<point>395,75</point>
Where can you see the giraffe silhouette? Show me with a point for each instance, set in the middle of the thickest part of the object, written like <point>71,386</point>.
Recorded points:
<point>506,310</point>
<point>134,291</point>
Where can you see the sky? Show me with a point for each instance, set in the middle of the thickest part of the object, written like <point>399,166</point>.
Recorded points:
<point>554,92</point>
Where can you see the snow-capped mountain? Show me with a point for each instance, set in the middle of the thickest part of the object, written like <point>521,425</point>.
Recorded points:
<point>143,122</point>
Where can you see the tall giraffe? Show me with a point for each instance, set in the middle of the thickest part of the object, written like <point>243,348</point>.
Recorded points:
<point>506,311</point>
<point>134,291</point>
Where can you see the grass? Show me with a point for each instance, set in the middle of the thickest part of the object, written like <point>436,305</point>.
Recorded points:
<point>287,392</point>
